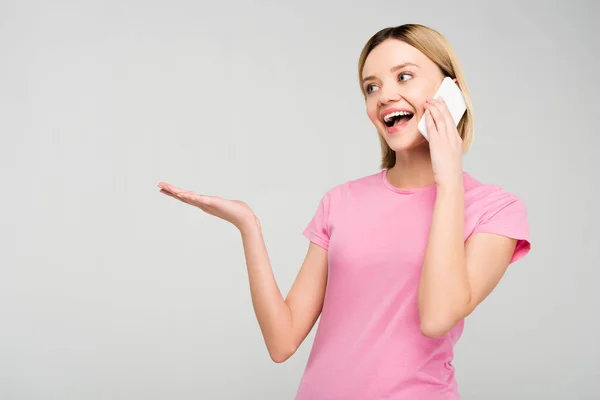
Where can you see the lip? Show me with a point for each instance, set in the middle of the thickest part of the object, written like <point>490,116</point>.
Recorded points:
<point>395,128</point>
<point>391,110</point>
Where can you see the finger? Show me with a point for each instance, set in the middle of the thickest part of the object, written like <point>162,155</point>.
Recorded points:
<point>438,119</point>
<point>165,186</point>
<point>175,196</point>
<point>170,188</point>
<point>205,203</point>
<point>199,200</point>
<point>449,121</point>
<point>429,110</point>
<point>187,196</point>
<point>431,128</point>
<point>163,191</point>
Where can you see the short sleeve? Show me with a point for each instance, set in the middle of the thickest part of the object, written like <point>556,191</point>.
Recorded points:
<point>318,230</point>
<point>506,215</point>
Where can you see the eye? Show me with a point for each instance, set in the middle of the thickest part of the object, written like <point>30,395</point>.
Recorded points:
<point>404,76</point>
<point>370,88</point>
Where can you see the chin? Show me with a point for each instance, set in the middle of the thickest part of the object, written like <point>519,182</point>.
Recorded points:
<point>406,141</point>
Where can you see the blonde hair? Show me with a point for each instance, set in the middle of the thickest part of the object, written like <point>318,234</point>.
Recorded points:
<point>435,46</point>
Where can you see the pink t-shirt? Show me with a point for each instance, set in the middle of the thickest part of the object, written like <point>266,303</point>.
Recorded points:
<point>368,344</point>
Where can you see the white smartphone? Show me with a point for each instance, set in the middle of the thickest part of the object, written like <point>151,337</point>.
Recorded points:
<point>454,99</point>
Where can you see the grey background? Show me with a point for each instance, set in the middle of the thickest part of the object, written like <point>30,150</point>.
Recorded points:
<point>109,290</point>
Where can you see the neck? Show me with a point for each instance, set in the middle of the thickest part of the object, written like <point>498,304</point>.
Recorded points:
<point>412,169</point>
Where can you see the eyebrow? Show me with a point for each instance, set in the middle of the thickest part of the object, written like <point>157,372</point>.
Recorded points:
<point>393,69</point>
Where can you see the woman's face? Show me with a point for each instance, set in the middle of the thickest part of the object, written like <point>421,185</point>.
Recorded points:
<point>397,80</point>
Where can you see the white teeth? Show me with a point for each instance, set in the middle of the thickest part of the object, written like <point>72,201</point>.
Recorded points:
<point>395,114</point>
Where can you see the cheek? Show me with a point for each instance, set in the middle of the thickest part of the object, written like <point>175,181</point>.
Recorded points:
<point>419,95</point>
<point>372,111</point>
<point>416,98</point>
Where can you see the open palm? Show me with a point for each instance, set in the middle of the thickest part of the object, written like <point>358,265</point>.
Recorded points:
<point>235,211</point>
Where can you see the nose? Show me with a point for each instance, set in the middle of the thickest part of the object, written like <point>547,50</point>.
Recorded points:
<point>389,95</point>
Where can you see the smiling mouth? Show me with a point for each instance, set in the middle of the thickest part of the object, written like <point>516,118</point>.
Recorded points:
<point>397,118</point>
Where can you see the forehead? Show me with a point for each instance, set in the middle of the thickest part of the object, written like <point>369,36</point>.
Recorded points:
<point>393,52</point>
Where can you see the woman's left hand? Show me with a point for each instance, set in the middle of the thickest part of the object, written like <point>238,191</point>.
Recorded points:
<point>445,144</point>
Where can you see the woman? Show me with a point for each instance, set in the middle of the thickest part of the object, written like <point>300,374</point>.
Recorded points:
<point>396,259</point>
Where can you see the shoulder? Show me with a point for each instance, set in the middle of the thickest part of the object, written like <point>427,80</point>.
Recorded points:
<point>489,208</point>
<point>489,196</point>
<point>337,197</point>
<point>354,186</point>
<point>331,206</point>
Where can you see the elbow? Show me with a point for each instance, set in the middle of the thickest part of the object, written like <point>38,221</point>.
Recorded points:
<point>279,358</point>
<point>281,355</point>
<point>434,329</point>
<point>437,326</point>
<point>436,321</point>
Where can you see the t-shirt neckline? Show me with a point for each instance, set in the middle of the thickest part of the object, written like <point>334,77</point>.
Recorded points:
<point>420,189</point>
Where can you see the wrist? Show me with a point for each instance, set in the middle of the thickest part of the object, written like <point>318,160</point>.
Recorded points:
<point>249,225</point>
<point>451,182</point>
<point>450,188</point>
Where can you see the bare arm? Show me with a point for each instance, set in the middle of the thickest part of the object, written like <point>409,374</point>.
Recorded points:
<point>456,277</point>
<point>444,289</point>
<point>284,323</point>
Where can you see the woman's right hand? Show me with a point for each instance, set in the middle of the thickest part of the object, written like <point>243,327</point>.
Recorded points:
<point>235,211</point>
